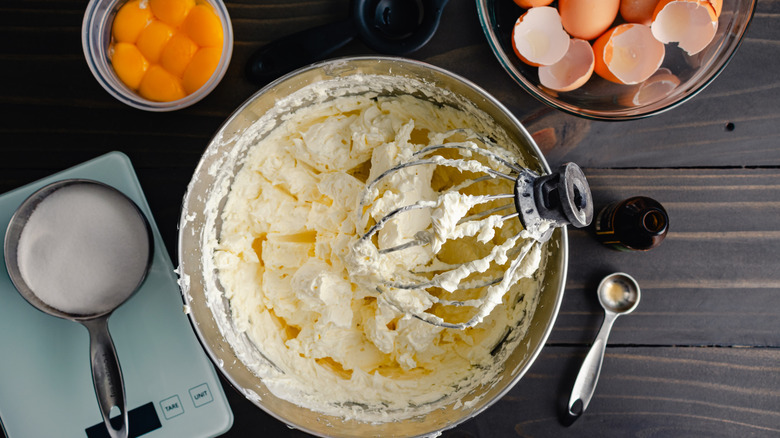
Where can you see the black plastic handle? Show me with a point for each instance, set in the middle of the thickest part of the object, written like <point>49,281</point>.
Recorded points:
<point>397,27</point>
<point>393,27</point>
<point>297,50</point>
<point>564,196</point>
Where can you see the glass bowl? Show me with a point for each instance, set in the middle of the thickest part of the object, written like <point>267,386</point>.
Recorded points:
<point>680,77</point>
<point>96,37</point>
<point>209,308</point>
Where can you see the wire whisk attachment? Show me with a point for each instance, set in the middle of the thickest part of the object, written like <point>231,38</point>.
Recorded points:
<point>448,231</point>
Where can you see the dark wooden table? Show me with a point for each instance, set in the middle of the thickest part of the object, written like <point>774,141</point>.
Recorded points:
<point>700,355</point>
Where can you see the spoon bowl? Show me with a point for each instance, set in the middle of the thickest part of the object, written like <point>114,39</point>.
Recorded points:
<point>618,293</point>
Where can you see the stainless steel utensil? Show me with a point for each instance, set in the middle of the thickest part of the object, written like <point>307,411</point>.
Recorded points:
<point>541,203</point>
<point>106,372</point>
<point>619,295</point>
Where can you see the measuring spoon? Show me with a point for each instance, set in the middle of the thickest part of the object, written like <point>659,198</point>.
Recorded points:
<point>392,27</point>
<point>618,294</point>
<point>62,248</point>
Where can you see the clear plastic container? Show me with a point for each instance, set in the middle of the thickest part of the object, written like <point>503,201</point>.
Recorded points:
<point>96,38</point>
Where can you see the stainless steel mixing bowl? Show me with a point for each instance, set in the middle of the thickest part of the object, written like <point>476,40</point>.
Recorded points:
<point>210,313</point>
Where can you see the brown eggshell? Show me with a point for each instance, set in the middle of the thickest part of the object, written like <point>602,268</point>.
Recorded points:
<point>638,11</point>
<point>572,71</point>
<point>538,37</point>
<point>526,4</point>
<point>627,54</point>
<point>692,24</point>
<point>587,19</point>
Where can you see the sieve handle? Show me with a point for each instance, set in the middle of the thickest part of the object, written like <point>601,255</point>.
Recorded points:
<point>107,376</point>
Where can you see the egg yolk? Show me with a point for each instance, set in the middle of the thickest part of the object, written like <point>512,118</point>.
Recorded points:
<point>129,64</point>
<point>159,85</point>
<point>153,39</point>
<point>204,27</point>
<point>201,68</point>
<point>166,49</point>
<point>177,54</point>
<point>130,20</point>
<point>172,12</point>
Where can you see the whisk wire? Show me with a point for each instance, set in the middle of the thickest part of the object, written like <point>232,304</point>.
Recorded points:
<point>470,147</point>
<point>484,305</point>
<point>536,205</point>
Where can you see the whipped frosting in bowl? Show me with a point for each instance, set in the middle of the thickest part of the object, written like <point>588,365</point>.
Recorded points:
<point>267,266</point>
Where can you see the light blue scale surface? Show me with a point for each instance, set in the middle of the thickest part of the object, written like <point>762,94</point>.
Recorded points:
<point>45,381</point>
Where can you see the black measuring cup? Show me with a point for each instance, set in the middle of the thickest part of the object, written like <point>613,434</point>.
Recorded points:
<point>391,27</point>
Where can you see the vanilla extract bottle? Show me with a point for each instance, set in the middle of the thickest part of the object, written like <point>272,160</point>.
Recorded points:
<point>638,223</point>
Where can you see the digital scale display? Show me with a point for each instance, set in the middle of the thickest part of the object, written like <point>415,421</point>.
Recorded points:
<point>143,418</point>
<point>171,386</point>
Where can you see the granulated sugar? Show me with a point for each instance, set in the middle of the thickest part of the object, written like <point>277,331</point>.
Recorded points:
<point>84,249</point>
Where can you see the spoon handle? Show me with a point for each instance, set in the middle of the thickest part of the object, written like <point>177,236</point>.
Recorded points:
<point>297,50</point>
<point>585,385</point>
<point>107,375</point>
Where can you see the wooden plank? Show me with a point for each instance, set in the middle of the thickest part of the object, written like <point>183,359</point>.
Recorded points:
<point>642,391</point>
<point>689,297</point>
<point>713,281</point>
<point>645,392</point>
<point>695,134</point>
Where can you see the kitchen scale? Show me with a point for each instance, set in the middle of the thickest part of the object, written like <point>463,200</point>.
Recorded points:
<point>46,387</point>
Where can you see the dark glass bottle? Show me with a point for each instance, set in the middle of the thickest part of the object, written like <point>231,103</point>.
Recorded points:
<point>638,223</point>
